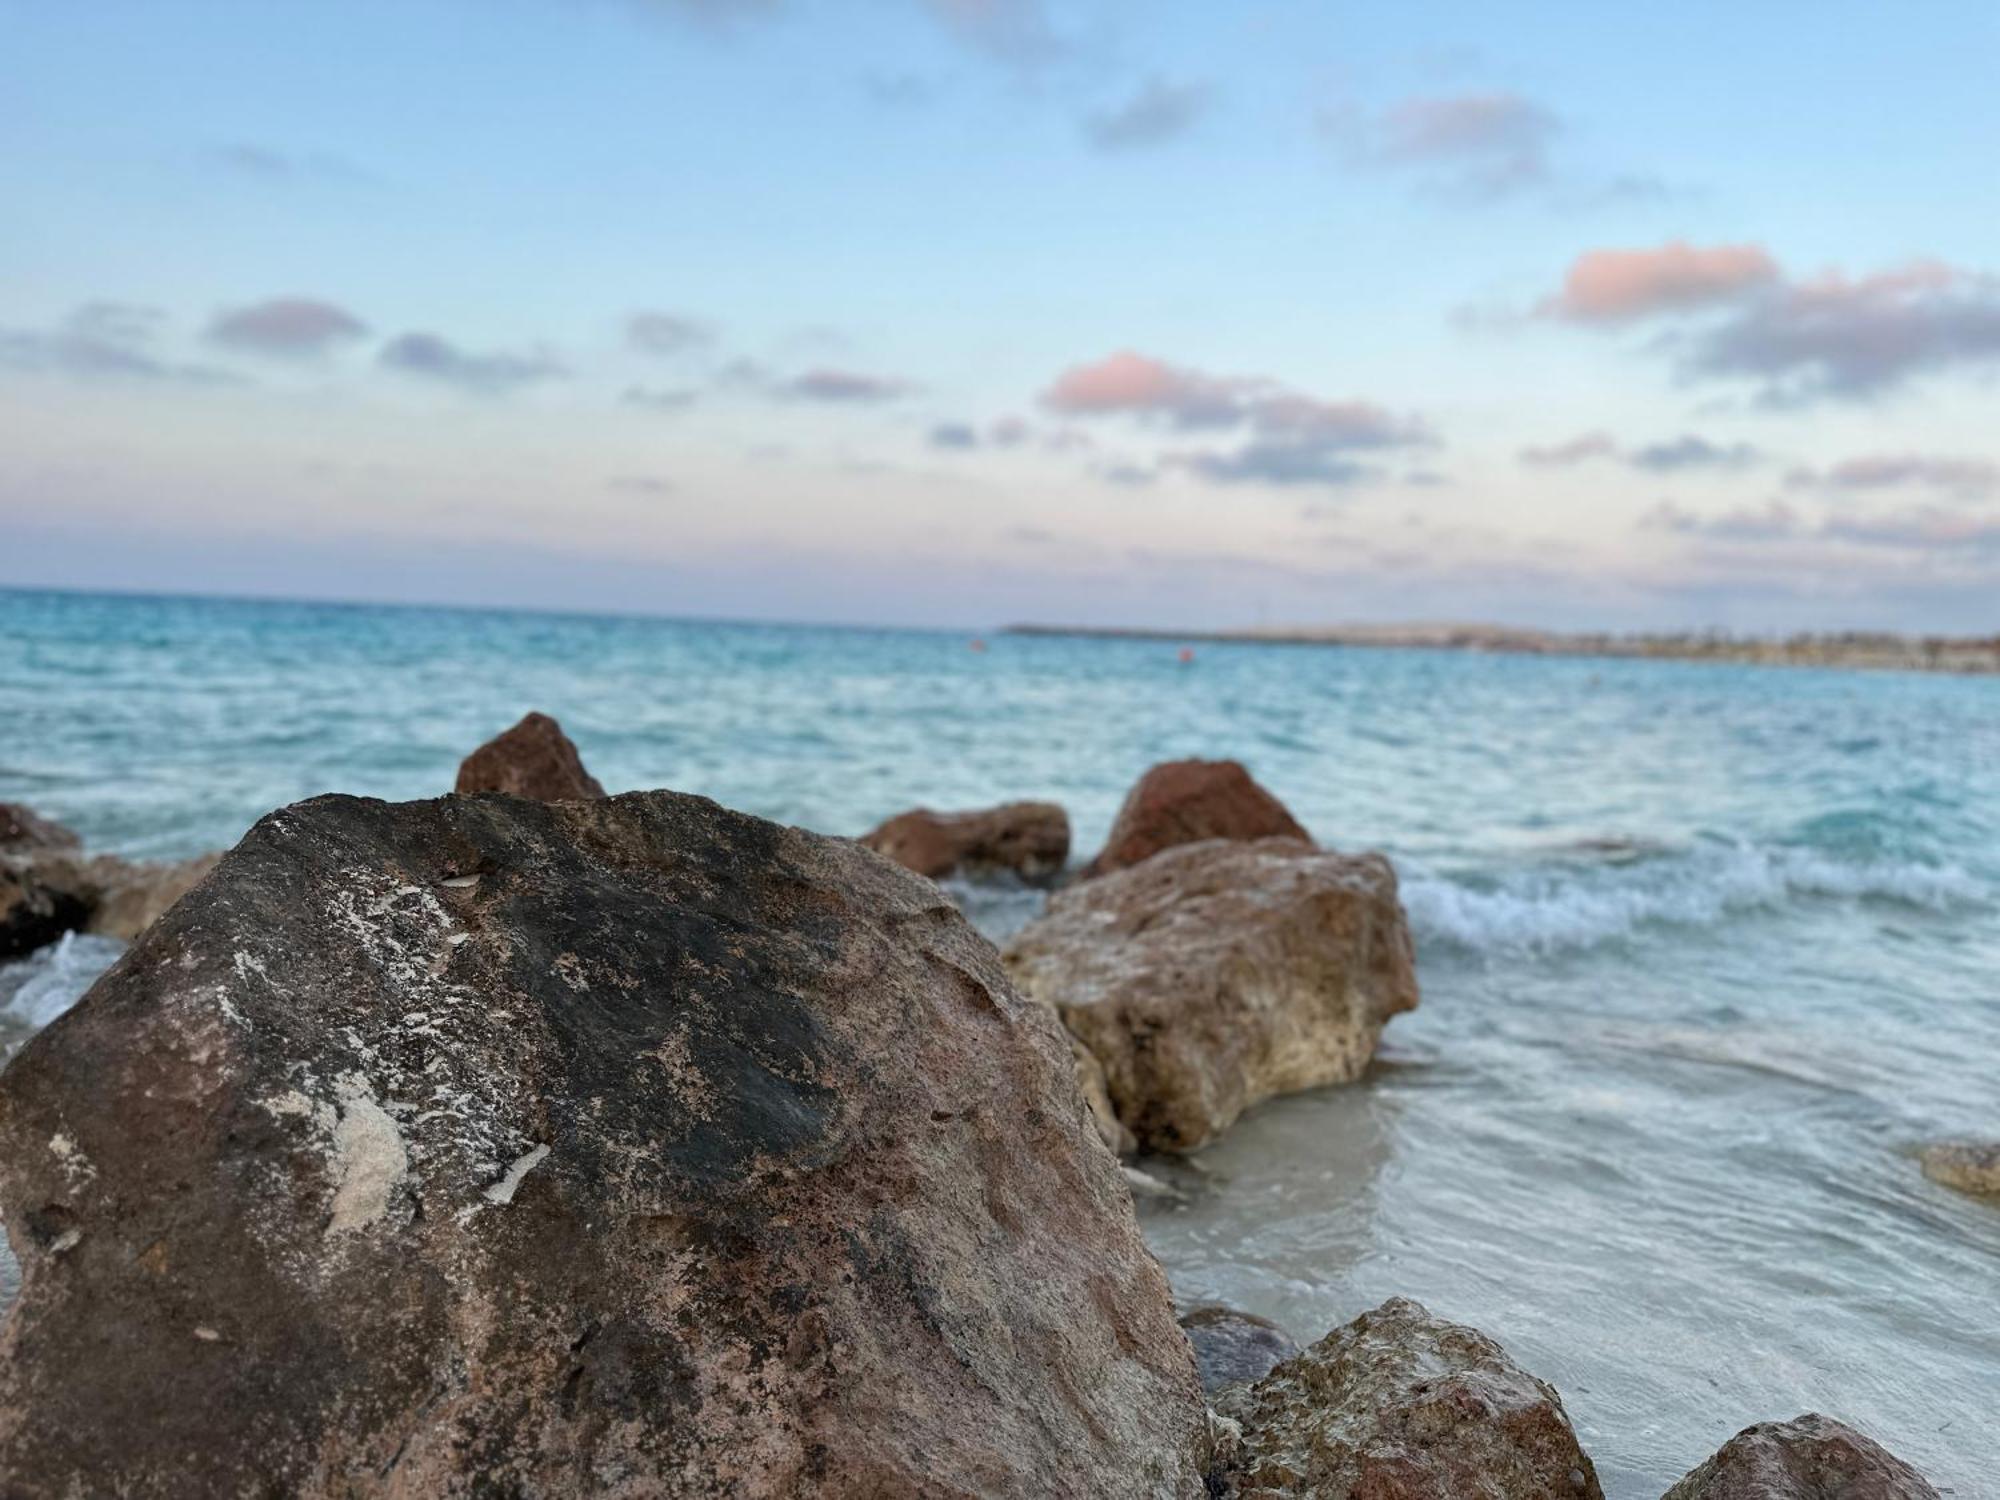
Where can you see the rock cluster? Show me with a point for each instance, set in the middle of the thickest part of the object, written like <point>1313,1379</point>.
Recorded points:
<point>626,1146</point>
<point>534,759</point>
<point>48,886</point>
<point>1027,839</point>
<point>1808,1458</point>
<point>1186,801</point>
<point>1215,975</point>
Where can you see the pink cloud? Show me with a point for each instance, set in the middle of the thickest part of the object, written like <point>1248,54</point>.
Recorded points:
<point>1614,286</point>
<point>1138,384</point>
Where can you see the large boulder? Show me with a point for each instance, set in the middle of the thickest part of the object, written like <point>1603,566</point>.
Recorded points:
<point>1186,801</point>
<point>1028,839</point>
<point>534,759</point>
<point>1808,1458</point>
<point>626,1147</point>
<point>1404,1406</point>
<point>1216,975</point>
<point>1969,1166</point>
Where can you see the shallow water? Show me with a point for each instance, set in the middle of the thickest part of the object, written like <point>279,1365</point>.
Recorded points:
<point>1706,951</point>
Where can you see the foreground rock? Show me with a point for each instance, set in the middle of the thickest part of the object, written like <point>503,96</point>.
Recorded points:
<point>1028,839</point>
<point>1808,1458</point>
<point>625,1147</point>
<point>1969,1166</point>
<point>1219,974</point>
<point>1186,801</point>
<point>534,759</point>
<point>1234,1348</point>
<point>1404,1406</point>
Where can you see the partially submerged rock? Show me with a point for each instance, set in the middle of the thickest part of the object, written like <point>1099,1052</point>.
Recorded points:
<point>40,900</point>
<point>1234,1348</point>
<point>1028,839</point>
<point>626,1147</point>
<point>1186,801</point>
<point>1808,1458</point>
<point>1404,1406</point>
<point>1219,974</point>
<point>44,895</point>
<point>534,759</point>
<point>1969,1166</point>
<point>23,830</point>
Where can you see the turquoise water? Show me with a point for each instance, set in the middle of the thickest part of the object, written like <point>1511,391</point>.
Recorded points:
<point>1706,950</point>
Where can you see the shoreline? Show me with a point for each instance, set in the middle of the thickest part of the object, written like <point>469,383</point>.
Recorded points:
<point>1965,656</point>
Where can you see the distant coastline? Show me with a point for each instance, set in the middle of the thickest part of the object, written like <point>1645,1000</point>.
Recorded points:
<point>1858,649</point>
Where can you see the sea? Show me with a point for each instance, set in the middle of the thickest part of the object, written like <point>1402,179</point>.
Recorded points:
<point>1708,952</point>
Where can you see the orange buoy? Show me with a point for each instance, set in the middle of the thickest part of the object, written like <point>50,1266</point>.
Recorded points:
<point>1187,655</point>
<point>975,644</point>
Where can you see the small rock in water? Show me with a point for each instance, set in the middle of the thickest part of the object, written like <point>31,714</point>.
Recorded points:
<point>1028,839</point>
<point>1220,974</point>
<point>1186,801</point>
<point>534,759</point>
<point>724,1161</point>
<point>22,829</point>
<point>1401,1404</point>
<point>1969,1166</point>
<point>1232,1348</point>
<point>1808,1458</point>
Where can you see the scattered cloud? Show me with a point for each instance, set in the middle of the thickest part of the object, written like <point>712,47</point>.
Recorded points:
<point>1619,286</point>
<point>842,386</point>
<point>1015,32</point>
<point>897,90</point>
<point>104,340</point>
<point>286,327</point>
<point>1920,528</point>
<point>955,435</point>
<point>1880,471</point>
<point>431,356</point>
<point>1290,439</point>
<point>650,399</point>
<point>1830,335</point>
<point>269,164</point>
<point>665,333</point>
<point>1567,455</point>
<point>1488,143</point>
<point>1131,476</point>
<point>1691,451</point>
<point>640,484</point>
<point>1773,521</point>
<point>1156,113</point>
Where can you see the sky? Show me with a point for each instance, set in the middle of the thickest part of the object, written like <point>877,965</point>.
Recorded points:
<point>968,312</point>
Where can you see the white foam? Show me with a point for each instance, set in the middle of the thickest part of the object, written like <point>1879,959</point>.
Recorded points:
<point>1545,911</point>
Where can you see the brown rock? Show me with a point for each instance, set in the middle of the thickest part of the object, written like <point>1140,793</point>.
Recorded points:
<point>534,759</point>
<point>1031,839</point>
<point>624,1147</point>
<point>1234,1348</point>
<point>22,830</point>
<point>131,897</point>
<point>1404,1406</point>
<point>1185,801</point>
<point>1216,975</point>
<point>40,900</point>
<point>1808,1458</point>
<point>1969,1166</point>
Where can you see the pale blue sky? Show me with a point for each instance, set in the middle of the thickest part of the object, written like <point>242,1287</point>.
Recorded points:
<point>339,299</point>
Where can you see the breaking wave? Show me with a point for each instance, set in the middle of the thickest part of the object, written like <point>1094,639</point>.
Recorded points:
<point>1547,910</point>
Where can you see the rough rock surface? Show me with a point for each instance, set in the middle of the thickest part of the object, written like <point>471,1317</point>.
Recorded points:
<point>1969,1166</point>
<point>1031,839</point>
<point>41,898</point>
<point>1808,1458</point>
<point>1219,974</point>
<point>534,759</point>
<point>1404,1406</point>
<point>626,1147</point>
<point>1232,1348</point>
<point>54,889</point>
<point>1090,1083</point>
<point>131,897</point>
<point>1186,801</point>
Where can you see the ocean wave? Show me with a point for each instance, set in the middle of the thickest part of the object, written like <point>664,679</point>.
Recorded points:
<point>36,989</point>
<point>1547,911</point>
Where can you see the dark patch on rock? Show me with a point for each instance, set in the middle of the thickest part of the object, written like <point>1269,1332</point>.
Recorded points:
<point>1231,1347</point>
<point>629,1146</point>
